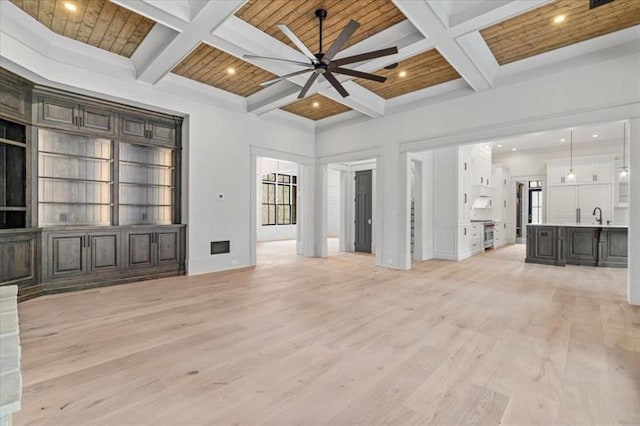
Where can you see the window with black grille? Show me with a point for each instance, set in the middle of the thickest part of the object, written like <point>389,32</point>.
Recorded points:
<point>279,199</point>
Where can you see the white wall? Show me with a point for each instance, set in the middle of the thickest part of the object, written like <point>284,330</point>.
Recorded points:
<point>333,204</point>
<point>272,232</point>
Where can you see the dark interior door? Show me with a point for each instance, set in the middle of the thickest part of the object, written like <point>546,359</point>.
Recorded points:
<point>363,211</point>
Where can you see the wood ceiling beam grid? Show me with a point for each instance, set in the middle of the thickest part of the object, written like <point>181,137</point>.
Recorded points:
<point>169,55</point>
<point>428,23</point>
<point>359,99</point>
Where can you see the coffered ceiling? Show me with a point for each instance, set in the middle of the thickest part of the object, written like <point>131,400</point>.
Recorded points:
<point>446,48</point>
<point>99,23</point>
<point>537,31</point>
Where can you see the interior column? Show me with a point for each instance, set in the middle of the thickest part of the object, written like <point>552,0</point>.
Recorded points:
<point>633,283</point>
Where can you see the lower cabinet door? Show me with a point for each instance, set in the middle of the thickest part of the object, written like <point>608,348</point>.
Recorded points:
<point>104,253</point>
<point>139,251</point>
<point>66,255</point>
<point>18,259</point>
<point>168,246</point>
<point>582,246</point>
<point>542,243</point>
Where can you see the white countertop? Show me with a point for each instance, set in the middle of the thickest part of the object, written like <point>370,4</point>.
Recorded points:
<point>579,225</point>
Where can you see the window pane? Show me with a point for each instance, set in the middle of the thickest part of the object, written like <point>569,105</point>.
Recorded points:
<point>272,194</point>
<point>272,215</point>
<point>294,195</point>
<point>281,194</point>
<point>280,215</point>
<point>280,178</point>
<point>286,178</point>
<point>286,190</point>
<point>265,215</point>
<point>287,215</point>
<point>265,193</point>
<point>294,211</point>
<point>294,179</point>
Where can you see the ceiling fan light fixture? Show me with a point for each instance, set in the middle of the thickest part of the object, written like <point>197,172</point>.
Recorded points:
<point>323,63</point>
<point>623,172</point>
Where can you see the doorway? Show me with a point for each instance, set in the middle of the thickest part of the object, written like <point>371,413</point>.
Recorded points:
<point>363,210</point>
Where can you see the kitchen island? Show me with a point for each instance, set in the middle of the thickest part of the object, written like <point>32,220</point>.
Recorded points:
<point>577,244</point>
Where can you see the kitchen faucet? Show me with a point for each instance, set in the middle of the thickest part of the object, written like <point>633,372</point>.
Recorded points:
<point>599,219</point>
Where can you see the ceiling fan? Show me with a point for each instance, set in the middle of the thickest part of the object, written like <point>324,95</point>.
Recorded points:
<point>322,63</point>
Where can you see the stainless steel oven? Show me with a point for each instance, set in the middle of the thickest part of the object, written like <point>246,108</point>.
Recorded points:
<point>489,231</point>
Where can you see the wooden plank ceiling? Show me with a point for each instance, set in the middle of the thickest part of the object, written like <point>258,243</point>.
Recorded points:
<point>99,23</point>
<point>212,66</point>
<point>325,107</point>
<point>418,72</point>
<point>373,16</point>
<point>535,32</point>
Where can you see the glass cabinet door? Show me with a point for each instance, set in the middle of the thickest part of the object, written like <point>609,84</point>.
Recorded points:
<point>75,179</point>
<point>147,185</point>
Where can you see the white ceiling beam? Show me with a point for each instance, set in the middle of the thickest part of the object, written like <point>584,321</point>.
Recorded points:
<point>489,14</point>
<point>359,99</point>
<point>477,50</point>
<point>428,23</point>
<point>154,13</point>
<point>272,97</point>
<point>169,55</point>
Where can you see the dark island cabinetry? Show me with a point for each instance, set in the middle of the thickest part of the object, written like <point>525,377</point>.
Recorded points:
<point>577,245</point>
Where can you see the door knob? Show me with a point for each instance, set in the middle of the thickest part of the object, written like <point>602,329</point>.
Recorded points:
<point>369,221</point>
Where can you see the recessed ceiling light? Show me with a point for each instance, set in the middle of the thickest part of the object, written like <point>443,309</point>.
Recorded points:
<point>499,145</point>
<point>70,6</point>
<point>595,135</point>
<point>514,149</point>
<point>559,19</point>
<point>402,74</point>
<point>563,140</point>
<point>231,70</point>
<point>316,104</point>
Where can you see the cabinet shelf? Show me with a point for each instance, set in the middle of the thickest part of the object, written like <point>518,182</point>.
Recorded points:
<point>71,203</point>
<point>148,165</point>
<point>110,182</point>
<point>14,143</point>
<point>148,185</point>
<point>81,157</point>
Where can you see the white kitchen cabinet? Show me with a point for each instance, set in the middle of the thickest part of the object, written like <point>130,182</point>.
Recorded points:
<point>592,196</point>
<point>568,204</point>
<point>501,177</point>
<point>589,170</point>
<point>464,185</point>
<point>476,239</point>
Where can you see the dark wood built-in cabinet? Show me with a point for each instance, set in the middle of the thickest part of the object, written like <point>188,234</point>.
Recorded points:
<point>89,191</point>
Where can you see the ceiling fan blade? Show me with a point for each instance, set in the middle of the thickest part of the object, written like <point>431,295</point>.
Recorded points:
<point>302,64</point>
<point>284,77</point>
<point>365,56</point>
<point>301,46</point>
<point>359,74</point>
<point>347,32</point>
<point>336,84</point>
<point>307,85</point>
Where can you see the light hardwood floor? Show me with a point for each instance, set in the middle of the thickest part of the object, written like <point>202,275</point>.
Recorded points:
<point>338,341</point>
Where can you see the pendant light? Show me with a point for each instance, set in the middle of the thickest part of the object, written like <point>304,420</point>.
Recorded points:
<point>572,173</point>
<point>623,172</point>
